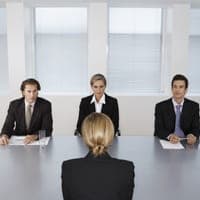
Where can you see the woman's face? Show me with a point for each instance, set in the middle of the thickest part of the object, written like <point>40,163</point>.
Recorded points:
<point>98,88</point>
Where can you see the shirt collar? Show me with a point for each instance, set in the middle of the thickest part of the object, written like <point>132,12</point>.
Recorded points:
<point>26,103</point>
<point>175,103</point>
<point>101,101</point>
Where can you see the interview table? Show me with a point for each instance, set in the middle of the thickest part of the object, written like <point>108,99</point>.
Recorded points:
<point>33,173</point>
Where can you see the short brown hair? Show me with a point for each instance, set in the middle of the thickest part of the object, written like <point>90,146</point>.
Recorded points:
<point>30,81</point>
<point>98,77</point>
<point>98,132</point>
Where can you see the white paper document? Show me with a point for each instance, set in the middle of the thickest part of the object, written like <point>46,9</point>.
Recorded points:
<point>167,145</point>
<point>18,140</point>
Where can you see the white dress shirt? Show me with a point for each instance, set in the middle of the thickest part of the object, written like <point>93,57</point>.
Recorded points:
<point>26,106</point>
<point>98,105</point>
<point>175,104</point>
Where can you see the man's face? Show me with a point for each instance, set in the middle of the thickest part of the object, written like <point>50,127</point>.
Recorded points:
<point>30,93</point>
<point>98,88</point>
<point>179,90</point>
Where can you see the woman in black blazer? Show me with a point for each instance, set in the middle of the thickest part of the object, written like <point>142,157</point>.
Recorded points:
<point>97,176</point>
<point>98,102</point>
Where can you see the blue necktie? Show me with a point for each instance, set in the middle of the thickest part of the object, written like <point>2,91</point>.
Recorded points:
<point>178,131</point>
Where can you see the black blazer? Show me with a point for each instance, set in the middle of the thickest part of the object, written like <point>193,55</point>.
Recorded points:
<point>100,178</point>
<point>15,121</point>
<point>165,118</point>
<point>110,108</point>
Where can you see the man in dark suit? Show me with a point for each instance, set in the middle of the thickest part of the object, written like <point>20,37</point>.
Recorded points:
<point>98,102</point>
<point>27,115</point>
<point>178,117</point>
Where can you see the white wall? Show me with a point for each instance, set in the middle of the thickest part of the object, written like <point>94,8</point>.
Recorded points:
<point>97,38</point>
<point>16,44</point>
<point>136,112</point>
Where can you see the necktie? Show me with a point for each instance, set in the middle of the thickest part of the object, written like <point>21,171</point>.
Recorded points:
<point>178,131</point>
<point>28,115</point>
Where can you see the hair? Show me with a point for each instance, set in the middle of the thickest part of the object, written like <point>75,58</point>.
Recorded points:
<point>30,81</point>
<point>98,77</point>
<point>98,133</point>
<point>180,77</point>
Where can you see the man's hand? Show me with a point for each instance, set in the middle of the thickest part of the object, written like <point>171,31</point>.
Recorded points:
<point>30,138</point>
<point>4,140</point>
<point>191,139</point>
<point>174,139</point>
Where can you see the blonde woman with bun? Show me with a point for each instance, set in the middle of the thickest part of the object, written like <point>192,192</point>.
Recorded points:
<point>97,176</point>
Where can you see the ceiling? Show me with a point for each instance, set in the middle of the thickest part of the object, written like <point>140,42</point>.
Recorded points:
<point>194,3</point>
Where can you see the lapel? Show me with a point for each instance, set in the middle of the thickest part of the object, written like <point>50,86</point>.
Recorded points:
<point>184,112</point>
<point>171,112</point>
<point>91,105</point>
<point>21,113</point>
<point>105,106</point>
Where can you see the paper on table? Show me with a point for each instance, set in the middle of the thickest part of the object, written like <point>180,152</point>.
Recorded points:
<point>18,140</point>
<point>167,145</point>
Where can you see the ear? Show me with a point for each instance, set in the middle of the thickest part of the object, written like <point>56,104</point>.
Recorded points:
<point>186,90</point>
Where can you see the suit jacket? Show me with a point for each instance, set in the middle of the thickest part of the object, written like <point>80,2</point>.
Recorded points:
<point>15,121</point>
<point>165,118</point>
<point>110,108</point>
<point>97,178</point>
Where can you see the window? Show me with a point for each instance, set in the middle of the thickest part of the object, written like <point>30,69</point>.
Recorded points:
<point>61,49</point>
<point>134,60</point>
<point>3,53</point>
<point>194,51</point>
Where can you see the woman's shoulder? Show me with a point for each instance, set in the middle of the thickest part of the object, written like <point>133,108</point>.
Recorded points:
<point>122,162</point>
<point>118,163</point>
<point>72,161</point>
<point>87,98</point>
<point>111,98</point>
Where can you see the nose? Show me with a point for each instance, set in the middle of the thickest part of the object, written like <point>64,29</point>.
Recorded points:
<point>32,94</point>
<point>99,90</point>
